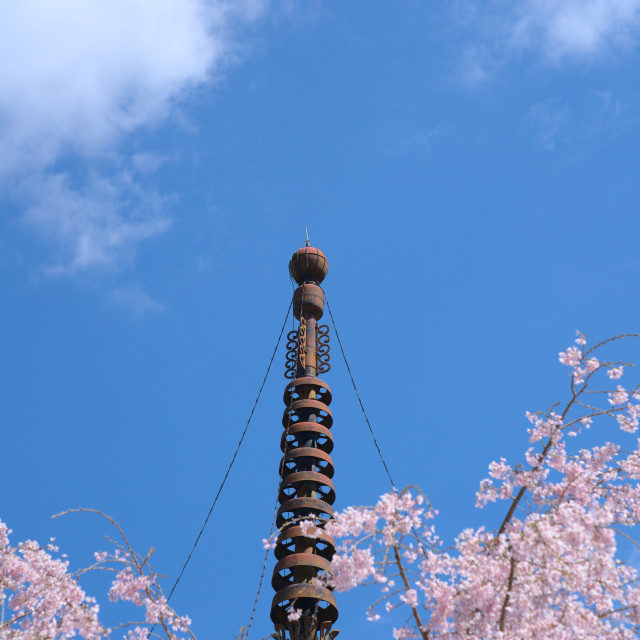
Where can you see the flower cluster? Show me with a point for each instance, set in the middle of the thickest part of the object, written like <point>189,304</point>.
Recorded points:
<point>551,568</point>
<point>40,598</point>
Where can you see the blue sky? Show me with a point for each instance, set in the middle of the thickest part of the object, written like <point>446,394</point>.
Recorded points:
<point>469,168</point>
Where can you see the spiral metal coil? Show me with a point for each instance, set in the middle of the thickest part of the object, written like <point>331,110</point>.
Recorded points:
<point>323,349</point>
<point>296,352</point>
<point>291,364</point>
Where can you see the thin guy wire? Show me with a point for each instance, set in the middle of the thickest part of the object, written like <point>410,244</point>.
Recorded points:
<point>264,568</point>
<point>355,388</point>
<point>245,635</point>
<point>233,459</point>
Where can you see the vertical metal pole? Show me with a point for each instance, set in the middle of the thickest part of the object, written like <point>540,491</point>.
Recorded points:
<point>306,490</point>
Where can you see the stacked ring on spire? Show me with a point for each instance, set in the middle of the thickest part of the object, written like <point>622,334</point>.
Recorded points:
<point>306,493</point>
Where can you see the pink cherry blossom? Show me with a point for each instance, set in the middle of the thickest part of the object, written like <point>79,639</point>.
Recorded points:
<point>269,543</point>
<point>571,357</point>
<point>550,567</point>
<point>591,365</point>
<point>129,586</point>
<point>294,614</point>
<point>619,396</point>
<point>615,373</point>
<point>42,600</point>
<point>351,568</point>
<point>404,633</point>
<point>309,529</point>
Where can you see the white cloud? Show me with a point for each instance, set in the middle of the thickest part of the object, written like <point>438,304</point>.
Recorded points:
<point>135,299</point>
<point>147,162</point>
<point>77,78</point>
<point>610,113</point>
<point>96,226</point>
<point>473,66</point>
<point>423,139</point>
<point>554,31</point>
<point>576,29</point>
<point>547,118</point>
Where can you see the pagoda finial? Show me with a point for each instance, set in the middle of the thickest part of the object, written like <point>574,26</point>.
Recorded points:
<point>303,608</point>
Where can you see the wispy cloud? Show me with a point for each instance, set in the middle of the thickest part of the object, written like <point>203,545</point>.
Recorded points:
<point>96,226</point>
<point>583,125</point>
<point>82,78</point>
<point>552,31</point>
<point>424,138</point>
<point>148,162</point>
<point>575,29</point>
<point>547,119</point>
<point>473,67</point>
<point>135,299</point>
<point>610,113</point>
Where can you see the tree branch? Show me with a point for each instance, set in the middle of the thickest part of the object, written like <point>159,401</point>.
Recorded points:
<point>407,586</point>
<point>507,597</point>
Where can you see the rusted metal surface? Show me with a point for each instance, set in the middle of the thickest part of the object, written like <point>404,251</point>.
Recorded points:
<point>308,301</point>
<point>323,348</point>
<point>292,483</point>
<point>326,608</point>
<point>298,509</point>
<point>300,457</point>
<point>291,365</point>
<point>302,341</point>
<point>292,534</point>
<point>306,490</point>
<point>300,410</point>
<point>297,434</point>
<point>283,574</point>
<point>310,628</point>
<point>299,386</point>
<point>308,348</point>
<point>308,264</point>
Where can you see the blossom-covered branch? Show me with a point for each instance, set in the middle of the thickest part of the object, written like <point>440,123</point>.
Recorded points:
<point>40,598</point>
<point>551,568</point>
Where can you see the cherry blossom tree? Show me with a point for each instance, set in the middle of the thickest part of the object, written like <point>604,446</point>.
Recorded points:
<point>551,568</point>
<point>41,599</point>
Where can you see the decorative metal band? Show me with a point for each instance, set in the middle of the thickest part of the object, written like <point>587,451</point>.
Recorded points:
<point>323,349</point>
<point>298,434</point>
<point>295,412</point>
<point>288,539</point>
<point>302,344</point>
<point>322,485</point>
<point>297,350</point>
<point>301,387</point>
<point>327,610</point>
<point>291,364</point>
